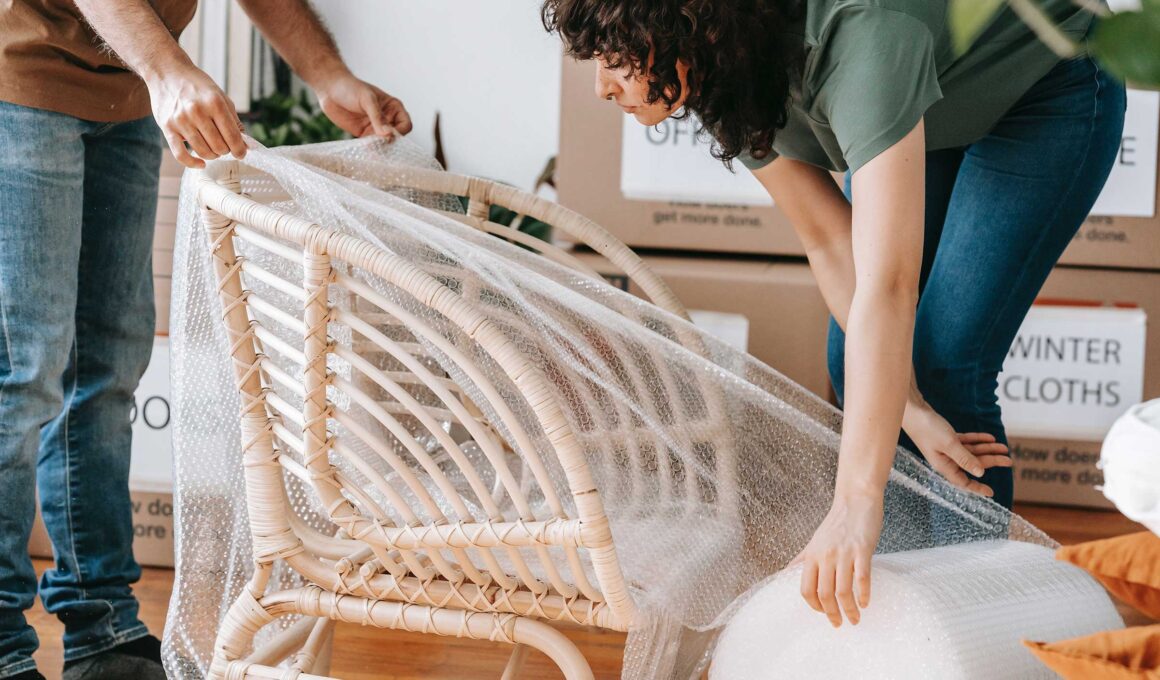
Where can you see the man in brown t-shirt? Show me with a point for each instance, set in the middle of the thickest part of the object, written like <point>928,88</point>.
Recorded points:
<point>79,159</point>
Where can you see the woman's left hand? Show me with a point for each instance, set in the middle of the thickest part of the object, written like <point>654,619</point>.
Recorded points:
<point>836,562</point>
<point>362,109</point>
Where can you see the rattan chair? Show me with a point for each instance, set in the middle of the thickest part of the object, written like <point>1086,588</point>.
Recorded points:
<point>454,573</point>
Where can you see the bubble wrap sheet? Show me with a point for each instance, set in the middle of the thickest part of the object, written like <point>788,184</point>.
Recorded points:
<point>953,613</point>
<point>714,469</point>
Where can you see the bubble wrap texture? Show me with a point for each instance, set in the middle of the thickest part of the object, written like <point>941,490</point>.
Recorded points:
<point>953,613</point>
<point>714,469</point>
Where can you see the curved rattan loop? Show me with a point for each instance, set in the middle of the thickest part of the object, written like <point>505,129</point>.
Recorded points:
<point>482,193</point>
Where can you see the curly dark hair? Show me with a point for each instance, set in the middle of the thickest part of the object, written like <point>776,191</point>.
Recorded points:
<point>743,58</point>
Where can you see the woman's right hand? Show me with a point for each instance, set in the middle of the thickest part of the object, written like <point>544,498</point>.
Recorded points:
<point>835,563</point>
<point>953,455</point>
<point>191,108</point>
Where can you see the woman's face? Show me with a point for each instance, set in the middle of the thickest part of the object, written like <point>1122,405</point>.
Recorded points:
<point>630,92</point>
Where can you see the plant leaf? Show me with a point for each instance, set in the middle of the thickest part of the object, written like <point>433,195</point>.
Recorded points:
<point>1128,45</point>
<point>968,18</point>
<point>1044,27</point>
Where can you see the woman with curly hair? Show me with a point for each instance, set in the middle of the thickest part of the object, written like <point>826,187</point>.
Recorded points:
<point>967,174</point>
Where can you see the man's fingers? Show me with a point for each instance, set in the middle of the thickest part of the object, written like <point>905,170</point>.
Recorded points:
<point>231,131</point>
<point>214,139</point>
<point>398,116</point>
<point>177,148</point>
<point>809,586</point>
<point>373,107</point>
<point>844,580</point>
<point>197,143</point>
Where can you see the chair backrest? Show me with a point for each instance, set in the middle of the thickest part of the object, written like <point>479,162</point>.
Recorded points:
<point>481,194</point>
<point>425,477</point>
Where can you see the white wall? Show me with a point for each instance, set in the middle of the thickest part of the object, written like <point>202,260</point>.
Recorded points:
<point>486,65</point>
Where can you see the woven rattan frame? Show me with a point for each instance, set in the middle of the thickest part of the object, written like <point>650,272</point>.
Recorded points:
<point>366,572</point>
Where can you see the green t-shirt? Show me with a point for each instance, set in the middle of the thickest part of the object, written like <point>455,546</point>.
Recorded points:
<point>873,68</point>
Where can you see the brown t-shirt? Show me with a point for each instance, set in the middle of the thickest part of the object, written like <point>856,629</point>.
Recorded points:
<point>51,59</point>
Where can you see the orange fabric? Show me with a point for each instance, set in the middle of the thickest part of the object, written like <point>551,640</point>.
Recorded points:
<point>1128,566</point>
<point>1130,654</point>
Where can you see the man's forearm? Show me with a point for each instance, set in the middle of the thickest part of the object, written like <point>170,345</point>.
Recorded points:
<point>134,31</point>
<point>297,33</point>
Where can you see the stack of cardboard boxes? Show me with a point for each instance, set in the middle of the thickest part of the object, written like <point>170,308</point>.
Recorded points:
<point>1083,356</point>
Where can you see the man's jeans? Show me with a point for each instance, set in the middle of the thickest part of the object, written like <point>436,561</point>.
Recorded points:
<point>77,205</point>
<point>999,214</point>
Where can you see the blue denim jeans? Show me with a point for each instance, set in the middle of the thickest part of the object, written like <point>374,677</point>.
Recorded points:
<point>77,206</point>
<point>999,213</point>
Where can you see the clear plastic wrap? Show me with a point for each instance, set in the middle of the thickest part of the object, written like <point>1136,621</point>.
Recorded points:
<point>713,468</point>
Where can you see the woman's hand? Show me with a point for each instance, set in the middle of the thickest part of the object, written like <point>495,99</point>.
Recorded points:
<point>952,454</point>
<point>836,562</point>
<point>191,108</point>
<point>361,108</point>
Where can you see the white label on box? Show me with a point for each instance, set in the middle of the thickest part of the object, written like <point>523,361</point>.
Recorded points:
<point>152,465</point>
<point>1072,371</point>
<point>1131,188</point>
<point>732,329</point>
<point>670,162</point>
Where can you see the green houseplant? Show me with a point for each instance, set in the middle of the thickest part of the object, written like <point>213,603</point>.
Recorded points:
<point>1126,43</point>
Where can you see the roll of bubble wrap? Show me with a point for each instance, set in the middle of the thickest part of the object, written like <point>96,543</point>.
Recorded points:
<point>948,613</point>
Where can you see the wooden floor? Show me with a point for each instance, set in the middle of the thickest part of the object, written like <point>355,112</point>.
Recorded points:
<point>366,653</point>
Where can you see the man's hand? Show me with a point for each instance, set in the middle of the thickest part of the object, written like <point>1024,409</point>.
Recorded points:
<point>361,108</point>
<point>191,108</point>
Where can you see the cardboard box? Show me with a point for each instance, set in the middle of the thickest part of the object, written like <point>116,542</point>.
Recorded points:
<point>1058,472</point>
<point>152,530</point>
<point>589,174</point>
<point>786,313</point>
<point>162,294</point>
<point>1129,289</point>
<point>590,166</point>
<point>1127,242</point>
<point>1124,228</point>
<point>1073,370</point>
<point>1062,470</point>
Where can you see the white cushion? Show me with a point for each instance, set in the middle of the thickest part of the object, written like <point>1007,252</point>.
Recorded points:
<point>1130,459</point>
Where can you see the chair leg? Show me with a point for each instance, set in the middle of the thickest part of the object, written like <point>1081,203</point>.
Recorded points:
<point>322,665</point>
<point>541,636</point>
<point>515,662</point>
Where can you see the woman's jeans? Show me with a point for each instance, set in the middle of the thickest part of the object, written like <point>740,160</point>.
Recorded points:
<point>78,202</point>
<point>999,213</point>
